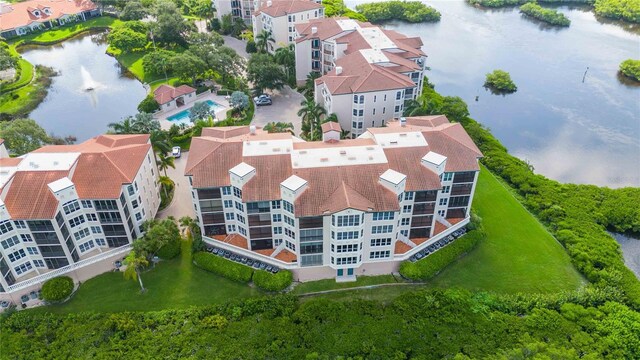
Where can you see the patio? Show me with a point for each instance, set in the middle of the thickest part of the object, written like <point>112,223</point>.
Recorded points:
<point>220,113</point>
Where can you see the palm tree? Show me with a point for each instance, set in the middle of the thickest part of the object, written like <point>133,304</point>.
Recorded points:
<point>279,127</point>
<point>165,162</point>
<point>311,114</point>
<point>286,57</point>
<point>190,225</point>
<point>263,39</point>
<point>144,123</point>
<point>134,264</point>
<point>165,182</point>
<point>310,84</point>
<point>123,127</point>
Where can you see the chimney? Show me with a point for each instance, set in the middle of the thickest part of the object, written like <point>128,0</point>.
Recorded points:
<point>269,3</point>
<point>338,70</point>
<point>403,121</point>
<point>252,129</point>
<point>314,29</point>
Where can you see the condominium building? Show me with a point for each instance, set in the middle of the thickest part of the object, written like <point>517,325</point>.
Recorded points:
<point>238,9</point>
<point>368,73</point>
<point>279,17</point>
<point>64,205</point>
<point>333,208</point>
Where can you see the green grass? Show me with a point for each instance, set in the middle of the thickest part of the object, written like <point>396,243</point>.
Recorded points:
<point>65,32</point>
<point>26,98</point>
<point>26,76</point>
<point>175,283</point>
<point>518,255</point>
<point>331,284</point>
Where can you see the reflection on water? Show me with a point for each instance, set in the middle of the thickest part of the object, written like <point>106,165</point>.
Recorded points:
<point>91,91</point>
<point>630,251</point>
<point>569,130</point>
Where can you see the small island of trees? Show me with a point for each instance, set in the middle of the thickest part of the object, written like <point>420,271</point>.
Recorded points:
<point>631,69</point>
<point>549,16</point>
<point>409,11</point>
<point>499,81</point>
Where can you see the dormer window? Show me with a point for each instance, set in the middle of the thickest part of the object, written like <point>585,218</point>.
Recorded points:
<point>36,13</point>
<point>47,11</point>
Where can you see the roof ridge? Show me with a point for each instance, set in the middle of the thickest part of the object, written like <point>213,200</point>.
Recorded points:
<point>207,138</point>
<point>114,164</point>
<point>459,142</point>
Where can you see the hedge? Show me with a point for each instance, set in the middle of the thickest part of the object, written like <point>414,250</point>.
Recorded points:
<point>223,267</point>
<point>58,288</point>
<point>430,266</point>
<point>170,250</point>
<point>272,282</point>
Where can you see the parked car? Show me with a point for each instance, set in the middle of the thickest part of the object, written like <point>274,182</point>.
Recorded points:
<point>176,151</point>
<point>262,100</point>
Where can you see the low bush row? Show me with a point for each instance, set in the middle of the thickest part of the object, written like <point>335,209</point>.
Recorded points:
<point>430,266</point>
<point>272,282</point>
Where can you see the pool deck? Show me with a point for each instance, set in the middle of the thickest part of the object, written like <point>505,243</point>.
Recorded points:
<point>220,113</point>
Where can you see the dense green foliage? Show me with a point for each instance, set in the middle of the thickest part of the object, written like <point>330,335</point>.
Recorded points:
<point>503,3</point>
<point>631,69</point>
<point>23,135</point>
<point>410,11</point>
<point>500,81</point>
<point>430,266</point>
<point>338,8</point>
<point>223,267</point>
<point>418,325</point>
<point>169,250</point>
<point>162,238</point>
<point>549,16</point>
<point>628,10</point>
<point>7,58</point>
<point>56,289</point>
<point>127,40</point>
<point>272,282</point>
<point>148,105</point>
<point>265,73</point>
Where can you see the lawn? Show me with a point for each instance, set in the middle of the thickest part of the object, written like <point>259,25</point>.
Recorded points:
<point>519,255</point>
<point>175,283</point>
<point>67,31</point>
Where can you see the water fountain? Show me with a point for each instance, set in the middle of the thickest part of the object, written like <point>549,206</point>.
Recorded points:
<point>88,84</point>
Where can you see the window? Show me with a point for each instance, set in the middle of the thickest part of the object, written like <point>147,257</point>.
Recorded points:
<point>130,190</point>
<point>237,192</point>
<point>405,222</point>
<point>275,204</point>
<point>258,207</point>
<point>226,190</point>
<point>384,111</point>
<point>287,206</point>
<point>406,209</point>
<point>374,98</point>
<point>310,235</point>
<point>277,230</point>
<point>405,233</point>
<point>448,176</point>
<point>10,242</point>
<point>397,108</point>
<point>387,215</point>
<point>409,195</point>
<point>459,201</point>
<point>398,95</point>
<point>101,242</point>
<point>92,217</point>
<point>347,248</point>
<point>442,212</point>
<point>20,224</point>
<point>138,216</point>
<point>242,230</point>
<point>346,220</point>
<point>290,245</point>
<point>239,206</point>
<point>290,233</point>
<point>241,219</point>
<point>276,217</point>
<point>230,216</point>
<point>106,205</point>
<point>346,260</point>
<point>86,246</point>
<point>5,227</point>
<point>32,250</point>
<point>443,201</point>
<point>70,206</point>
<point>231,228</point>
<point>346,235</point>
<point>17,255</point>
<point>379,254</point>
<point>26,237</point>
<point>289,221</point>
<point>381,229</point>
<point>22,268</point>
<point>381,242</point>
<point>39,263</point>
<point>80,234</point>
<point>446,189</point>
<point>77,221</point>
<point>374,112</point>
<point>228,203</point>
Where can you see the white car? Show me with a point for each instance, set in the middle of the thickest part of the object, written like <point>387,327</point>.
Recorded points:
<point>176,151</point>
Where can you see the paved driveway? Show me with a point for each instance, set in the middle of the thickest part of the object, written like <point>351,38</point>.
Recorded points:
<point>181,204</point>
<point>286,103</point>
<point>236,44</point>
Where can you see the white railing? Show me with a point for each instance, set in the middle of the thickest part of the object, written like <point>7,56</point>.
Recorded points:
<point>406,240</point>
<point>63,270</point>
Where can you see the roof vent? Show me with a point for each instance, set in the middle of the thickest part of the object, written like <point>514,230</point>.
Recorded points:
<point>314,29</point>
<point>403,121</point>
<point>352,158</point>
<point>302,152</point>
<point>252,129</point>
<point>263,143</point>
<point>343,152</point>
<point>338,70</point>
<point>324,159</point>
<point>393,142</point>
<point>370,148</point>
<point>403,135</point>
<point>276,149</point>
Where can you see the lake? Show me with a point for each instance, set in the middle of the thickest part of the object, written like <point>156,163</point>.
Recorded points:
<point>569,130</point>
<point>69,109</point>
<point>630,251</point>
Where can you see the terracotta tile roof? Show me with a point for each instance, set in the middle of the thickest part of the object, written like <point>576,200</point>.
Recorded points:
<point>431,121</point>
<point>419,241</point>
<point>286,256</point>
<point>165,93</point>
<point>285,7</point>
<point>10,161</point>
<point>271,170</point>
<point>20,13</point>
<point>265,252</point>
<point>407,161</point>
<point>401,248</point>
<point>210,160</point>
<point>225,132</point>
<point>454,221</point>
<point>237,240</point>
<point>326,28</point>
<point>459,156</point>
<point>29,196</point>
<point>358,182</point>
<point>439,227</point>
<point>331,125</point>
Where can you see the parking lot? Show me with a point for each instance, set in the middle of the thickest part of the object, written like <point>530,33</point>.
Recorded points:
<point>438,245</point>
<point>243,260</point>
<point>286,103</point>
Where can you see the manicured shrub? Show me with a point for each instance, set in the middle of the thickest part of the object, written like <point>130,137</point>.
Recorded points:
<point>148,105</point>
<point>272,282</point>
<point>500,81</point>
<point>58,288</point>
<point>223,267</point>
<point>251,47</point>
<point>170,250</point>
<point>428,267</point>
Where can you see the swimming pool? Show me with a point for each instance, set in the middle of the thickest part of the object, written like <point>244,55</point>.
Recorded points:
<point>183,116</point>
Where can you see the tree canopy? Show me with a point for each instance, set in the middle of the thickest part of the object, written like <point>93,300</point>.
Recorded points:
<point>265,73</point>
<point>23,135</point>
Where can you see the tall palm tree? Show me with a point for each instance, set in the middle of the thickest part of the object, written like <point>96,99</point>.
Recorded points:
<point>263,39</point>
<point>311,114</point>
<point>135,263</point>
<point>278,127</point>
<point>165,162</point>
<point>286,57</point>
<point>190,225</point>
<point>123,127</point>
<point>165,182</point>
<point>310,84</point>
<point>144,123</point>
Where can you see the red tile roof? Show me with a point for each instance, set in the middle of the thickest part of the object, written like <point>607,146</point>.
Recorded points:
<point>331,125</point>
<point>284,7</point>
<point>20,14</point>
<point>165,93</point>
<point>29,196</point>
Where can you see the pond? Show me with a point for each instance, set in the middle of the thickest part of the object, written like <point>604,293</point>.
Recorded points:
<point>569,130</point>
<point>91,91</point>
<point>630,251</point>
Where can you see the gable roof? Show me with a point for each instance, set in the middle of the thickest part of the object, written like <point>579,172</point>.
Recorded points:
<point>20,14</point>
<point>276,8</point>
<point>165,93</point>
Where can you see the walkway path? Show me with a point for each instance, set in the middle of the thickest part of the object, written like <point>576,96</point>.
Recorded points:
<point>366,287</point>
<point>181,204</point>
